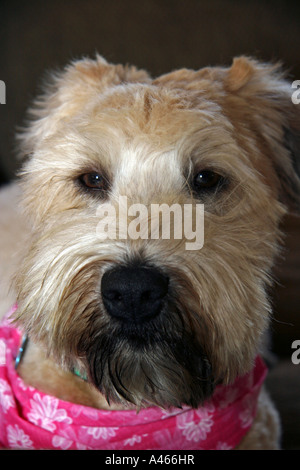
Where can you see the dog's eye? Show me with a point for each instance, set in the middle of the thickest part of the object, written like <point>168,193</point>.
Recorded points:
<point>93,181</point>
<point>206,180</point>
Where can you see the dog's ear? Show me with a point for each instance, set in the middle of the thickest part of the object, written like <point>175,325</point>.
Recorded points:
<point>272,113</point>
<point>67,92</point>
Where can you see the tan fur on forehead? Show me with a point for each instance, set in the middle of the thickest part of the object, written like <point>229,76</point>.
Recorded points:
<point>68,92</point>
<point>99,71</point>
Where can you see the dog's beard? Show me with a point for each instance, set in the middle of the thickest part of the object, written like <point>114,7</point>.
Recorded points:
<point>153,363</point>
<point>171,360</point>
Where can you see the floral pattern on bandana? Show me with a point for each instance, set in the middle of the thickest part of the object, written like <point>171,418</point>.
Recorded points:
<point>31,419</point>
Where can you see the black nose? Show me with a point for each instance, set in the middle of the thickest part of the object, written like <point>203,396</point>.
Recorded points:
<point>134,293</point>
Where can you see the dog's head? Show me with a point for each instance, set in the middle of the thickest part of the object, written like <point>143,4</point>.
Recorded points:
<point>147,319</point>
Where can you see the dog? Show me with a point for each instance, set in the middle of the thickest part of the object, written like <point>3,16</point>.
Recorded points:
<point>125,332</point>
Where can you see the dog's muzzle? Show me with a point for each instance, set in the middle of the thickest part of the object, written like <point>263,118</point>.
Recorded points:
<point>142,348</point>
<point>134,294</point>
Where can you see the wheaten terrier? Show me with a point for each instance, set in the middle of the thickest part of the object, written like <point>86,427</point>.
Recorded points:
<point>111,317</point>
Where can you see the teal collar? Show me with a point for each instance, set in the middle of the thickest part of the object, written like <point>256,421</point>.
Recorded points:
<point>21,352</point>
<point>22,349</point>
<point>76,371</point>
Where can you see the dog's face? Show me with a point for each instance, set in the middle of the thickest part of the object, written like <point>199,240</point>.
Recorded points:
<point>149,321</point>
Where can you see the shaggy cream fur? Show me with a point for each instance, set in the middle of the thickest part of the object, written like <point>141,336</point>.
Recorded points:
<point>149,139</point>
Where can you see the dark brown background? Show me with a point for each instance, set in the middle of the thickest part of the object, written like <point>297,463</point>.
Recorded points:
<point>160,35</point>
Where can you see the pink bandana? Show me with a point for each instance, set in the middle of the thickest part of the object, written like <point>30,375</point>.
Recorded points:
<point>30,419</point>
